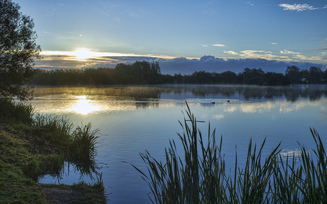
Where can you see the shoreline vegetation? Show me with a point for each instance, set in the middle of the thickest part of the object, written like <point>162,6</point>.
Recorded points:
<point>143,72</point>
<point>200,175</point>
<point>34,145</point>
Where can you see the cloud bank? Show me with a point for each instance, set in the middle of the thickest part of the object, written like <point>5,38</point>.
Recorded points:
<point>212,64</point>
<point>174,65</point>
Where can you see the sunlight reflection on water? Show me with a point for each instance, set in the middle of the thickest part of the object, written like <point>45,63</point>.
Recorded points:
<point>132,119</point>
<point>83,106</point>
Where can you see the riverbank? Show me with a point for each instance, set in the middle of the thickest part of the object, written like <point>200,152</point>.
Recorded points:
<point>31,148</point>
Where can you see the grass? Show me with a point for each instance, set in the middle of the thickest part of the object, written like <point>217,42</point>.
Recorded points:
<point>16,185</point>
<point>35,145</point>
<point>200,176</point>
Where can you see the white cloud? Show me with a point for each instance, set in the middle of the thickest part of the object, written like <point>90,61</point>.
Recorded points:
<point>289,52</point>
<point>258,54</point>
<point>274,43</point>
<point>218,45</point>
<point>251,3</point>
<point>256,107</point>
<point>312,58</point>
<point>297,7</point>
<point>218,116</point>
<point>231,109</point>
<point>286,107</point>
<point>230,52</point>
<point>290,153</point>
<point>204,45</point>
<point>268,106</point>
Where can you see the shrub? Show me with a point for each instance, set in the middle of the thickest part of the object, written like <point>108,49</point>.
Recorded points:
<point>15,112</point>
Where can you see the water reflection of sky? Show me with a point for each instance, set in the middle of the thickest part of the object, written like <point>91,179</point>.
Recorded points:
<point>85,105</point>
<point>132,119</point>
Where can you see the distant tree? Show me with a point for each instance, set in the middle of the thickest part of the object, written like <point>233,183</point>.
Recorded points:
<point>324,79</point>
<point>179,79</point>
<point>155,72</point>
<point>305,74</point>
<point>293,74</point>
<point>17,50</point>
<point>140,72</point>
<point>273,79</point>
<point>316,75</point>
<point>123,74</point>
<point>228,77</point>
<point>200,77</point>
<point>253,76</point>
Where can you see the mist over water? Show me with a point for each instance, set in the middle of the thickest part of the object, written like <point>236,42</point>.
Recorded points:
<point>132,119</point>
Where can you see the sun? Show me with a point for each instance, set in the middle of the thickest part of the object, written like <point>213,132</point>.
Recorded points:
<point>83,54</point>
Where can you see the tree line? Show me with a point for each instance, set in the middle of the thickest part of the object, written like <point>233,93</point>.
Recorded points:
<point>144,72</point>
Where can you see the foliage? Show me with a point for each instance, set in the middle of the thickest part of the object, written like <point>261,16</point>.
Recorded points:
<point>316,75</point>
<point>11,112</point>
<point>17,50</point>
<point>293,74</point>
<point>273,79</point>
<point>200,176</point>
<point>142,72</point>
<point>253,76</point>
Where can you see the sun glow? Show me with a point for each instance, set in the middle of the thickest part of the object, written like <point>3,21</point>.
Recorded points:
<point>83,54</point>
<point>84,106</point>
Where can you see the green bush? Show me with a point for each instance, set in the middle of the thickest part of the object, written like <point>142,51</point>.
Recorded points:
<point>15,112</point>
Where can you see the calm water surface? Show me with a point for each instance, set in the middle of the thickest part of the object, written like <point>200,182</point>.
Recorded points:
<point>132,119</point>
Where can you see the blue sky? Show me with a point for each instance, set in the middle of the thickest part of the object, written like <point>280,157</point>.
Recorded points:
<point>289,32</point>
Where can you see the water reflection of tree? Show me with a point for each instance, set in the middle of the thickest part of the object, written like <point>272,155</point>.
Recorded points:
<point>146,104</point>
<point>148,96</point>
<point>291,93</point>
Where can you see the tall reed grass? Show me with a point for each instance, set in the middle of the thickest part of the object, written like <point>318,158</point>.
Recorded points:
<point>54,129</point>
<point>200,176</point>
<point>77,145</point>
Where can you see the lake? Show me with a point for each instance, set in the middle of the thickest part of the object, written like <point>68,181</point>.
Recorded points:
<point>133,119</point>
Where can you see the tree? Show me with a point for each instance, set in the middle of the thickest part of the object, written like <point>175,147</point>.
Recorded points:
<point>253,76</point>
<point>293,74</point>
<point>17,50</point>
<point>305,76</point>
<point>315,75</point>
<point>275,79</point>
<point>228,77</point>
